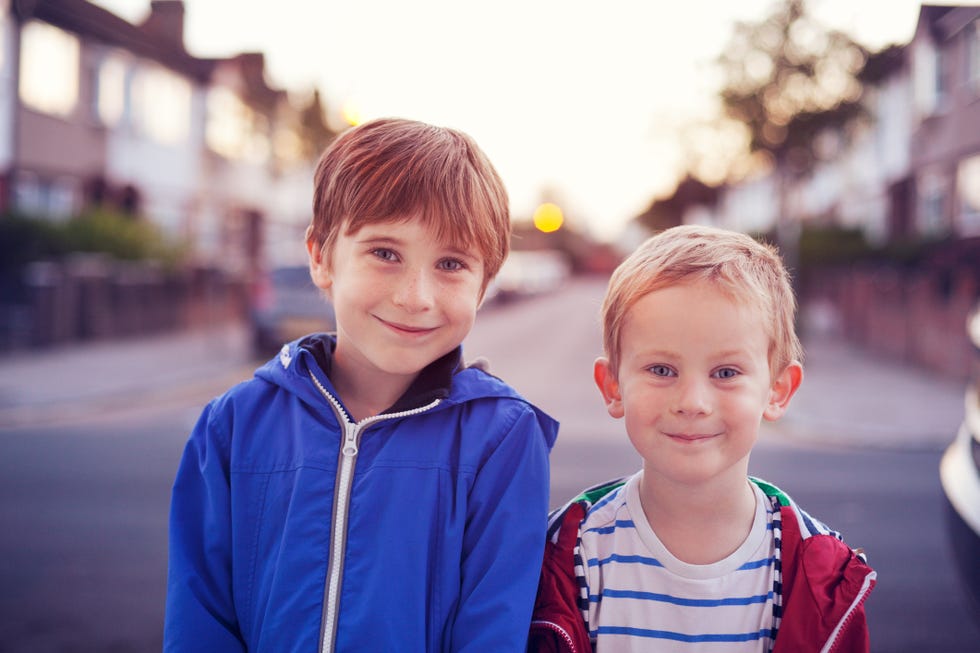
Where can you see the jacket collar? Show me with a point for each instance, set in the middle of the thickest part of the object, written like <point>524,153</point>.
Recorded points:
<point>433,382</point>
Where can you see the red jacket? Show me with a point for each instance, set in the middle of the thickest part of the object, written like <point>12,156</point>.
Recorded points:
<point>824,586</point>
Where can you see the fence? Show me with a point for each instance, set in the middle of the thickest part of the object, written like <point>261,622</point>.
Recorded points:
<point>89,297</point>
<point>915,315</point>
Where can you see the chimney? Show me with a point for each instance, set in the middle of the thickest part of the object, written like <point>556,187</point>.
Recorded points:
<point>253,67</point>
<point>166,22</point>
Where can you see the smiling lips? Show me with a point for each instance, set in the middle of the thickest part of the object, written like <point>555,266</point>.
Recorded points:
<point>406,329</point>
<point>691,437</point>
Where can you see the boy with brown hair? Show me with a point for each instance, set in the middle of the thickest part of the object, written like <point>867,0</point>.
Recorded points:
<point>690,553</point>
<point>366,490</point>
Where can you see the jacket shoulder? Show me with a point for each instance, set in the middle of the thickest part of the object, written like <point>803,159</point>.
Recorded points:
<point>581,504</point>
<point>496,403</point>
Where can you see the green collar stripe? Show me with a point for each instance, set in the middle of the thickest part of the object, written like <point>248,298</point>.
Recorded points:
<point>593,494</point>
<point>771,490</point>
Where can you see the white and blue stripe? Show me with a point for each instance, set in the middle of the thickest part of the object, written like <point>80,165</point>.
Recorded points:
<point>637,596</point>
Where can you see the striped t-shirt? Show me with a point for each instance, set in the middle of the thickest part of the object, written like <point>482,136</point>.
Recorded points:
<point>636,596</point>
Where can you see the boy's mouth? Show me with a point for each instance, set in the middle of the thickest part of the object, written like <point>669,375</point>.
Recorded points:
<point>691,437</point>
<point>407,329</point>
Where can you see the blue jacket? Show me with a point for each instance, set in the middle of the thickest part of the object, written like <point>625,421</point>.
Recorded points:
<point>293,529</point>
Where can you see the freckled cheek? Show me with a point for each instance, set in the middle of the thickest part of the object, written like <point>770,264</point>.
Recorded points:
<point>459,297</point>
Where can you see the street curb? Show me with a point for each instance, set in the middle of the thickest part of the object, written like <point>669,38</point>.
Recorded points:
<point>119,404</point>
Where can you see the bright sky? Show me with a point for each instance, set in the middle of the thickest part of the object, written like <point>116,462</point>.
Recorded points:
<point>577,102</point>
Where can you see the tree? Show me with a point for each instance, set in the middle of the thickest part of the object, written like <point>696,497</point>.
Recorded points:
<point>785,79</point>
<point>667,212</point>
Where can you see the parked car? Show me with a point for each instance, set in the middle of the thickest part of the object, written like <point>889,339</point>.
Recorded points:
<point>286,305</point>
<point>529,272</point>
<point>959,472</point>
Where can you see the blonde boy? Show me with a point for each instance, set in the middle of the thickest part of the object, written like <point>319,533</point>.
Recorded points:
<point>366,491</point>
<point>690,553</point>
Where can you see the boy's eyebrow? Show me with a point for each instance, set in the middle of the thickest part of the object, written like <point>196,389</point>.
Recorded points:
<point>380,239</point>
<point>729,353</point>
<point>664,353</point>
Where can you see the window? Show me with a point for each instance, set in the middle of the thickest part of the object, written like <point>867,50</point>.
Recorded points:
<point>973,56</point>
<point>923,69</point>
<point>3,34</point>
<point>931,191</point>
<point>161,105</point>
<point>968,194</point>
<point>227,123</point>
<point>52,199</point>
<point>941,79</point>
<point>234,130</point>
<point>110,90</point>
<point>49,69</point>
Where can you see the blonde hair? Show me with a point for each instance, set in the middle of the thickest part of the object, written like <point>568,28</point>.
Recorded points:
<point>748,270</point>
<point>393,169</point>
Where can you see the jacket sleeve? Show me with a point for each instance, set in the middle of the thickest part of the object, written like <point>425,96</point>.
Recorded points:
<point>825,585</point>
<point>200,611</point>
<point>504,539</point>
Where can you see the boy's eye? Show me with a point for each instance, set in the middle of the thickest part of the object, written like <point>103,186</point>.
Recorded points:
<point>451,265</point>
<point>726,373</point>
<point>661,370</point>
<point>384,254</point>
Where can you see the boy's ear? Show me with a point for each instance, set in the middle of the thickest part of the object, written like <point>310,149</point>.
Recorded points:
<point>608,386</point>
<point>784,386</point>
<point>319,269</point>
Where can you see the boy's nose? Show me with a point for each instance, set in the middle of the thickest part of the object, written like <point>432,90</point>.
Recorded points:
<point>415,291</point>
<point>692,398</point>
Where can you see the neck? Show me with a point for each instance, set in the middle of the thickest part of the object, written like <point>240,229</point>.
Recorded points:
<point>366,397</point>
<point>699,523</point>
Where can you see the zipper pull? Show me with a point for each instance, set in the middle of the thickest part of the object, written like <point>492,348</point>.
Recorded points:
<point>350,440</point>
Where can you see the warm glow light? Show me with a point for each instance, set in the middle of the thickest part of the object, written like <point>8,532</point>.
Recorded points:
<point>548,217</point>
<point>352,114</point>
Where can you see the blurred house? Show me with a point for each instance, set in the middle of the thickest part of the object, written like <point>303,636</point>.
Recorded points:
<point>908,167</point>
<point>905,170</point>
<point>945,146</point>
<point>95,110</point>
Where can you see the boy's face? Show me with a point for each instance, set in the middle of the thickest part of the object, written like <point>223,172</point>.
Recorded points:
<point>694,383</point>
<point>401,298</point>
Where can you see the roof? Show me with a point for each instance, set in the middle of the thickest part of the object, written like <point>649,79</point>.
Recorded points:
<point>251,67</point>
<point>93,22</point>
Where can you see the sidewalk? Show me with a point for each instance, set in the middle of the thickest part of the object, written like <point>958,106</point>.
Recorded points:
<point>848,397</point>
<point>79,381</point>
<point>852,397</point>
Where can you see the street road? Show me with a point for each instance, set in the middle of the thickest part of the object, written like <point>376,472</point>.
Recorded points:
<point>84,505</point>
